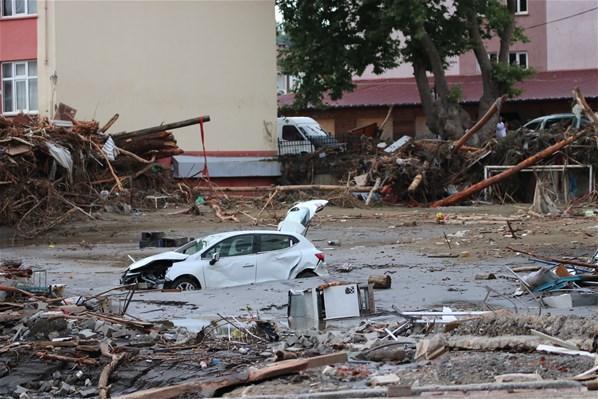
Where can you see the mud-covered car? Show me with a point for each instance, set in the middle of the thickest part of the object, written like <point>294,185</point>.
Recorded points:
<point>236,257</point>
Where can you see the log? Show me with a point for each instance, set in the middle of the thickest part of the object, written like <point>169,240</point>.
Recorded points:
<point>300,187</point>
<point>167,126</point>
<point>462,195</point>
<point>209,388</point>
<point>78,360</point>
<point>415,183</point>
<point>555,260</point>
<point>584,104</point>
<point>109,124</point>
<point>373,190</point>
<point>103,387</point>
<point>479,124</point>
<point>380,282</point>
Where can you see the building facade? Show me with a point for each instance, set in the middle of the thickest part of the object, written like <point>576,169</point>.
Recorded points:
<point>150,62</point>
<point>562,45</point>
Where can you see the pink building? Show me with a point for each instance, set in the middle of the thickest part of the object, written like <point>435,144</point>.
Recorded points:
<point>562,49</point>
<point>18,56</point>
<point>562,36</point>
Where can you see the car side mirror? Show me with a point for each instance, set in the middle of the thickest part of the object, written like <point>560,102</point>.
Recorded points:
<point>215,258</point>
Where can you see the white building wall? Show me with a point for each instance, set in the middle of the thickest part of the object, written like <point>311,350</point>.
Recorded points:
<point>163,61</point>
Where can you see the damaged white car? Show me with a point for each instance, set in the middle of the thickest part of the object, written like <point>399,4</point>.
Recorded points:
<point>236,257</point>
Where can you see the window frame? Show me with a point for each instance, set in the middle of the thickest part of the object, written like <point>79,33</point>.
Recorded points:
<point>293,241</point>
<point>518,10</point>
<point>27,78</point>
<point>205,256</point>
<point>298,132</point>
<point>14,13</point>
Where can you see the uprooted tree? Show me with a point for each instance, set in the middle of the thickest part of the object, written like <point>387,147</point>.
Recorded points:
<point>331,42</point>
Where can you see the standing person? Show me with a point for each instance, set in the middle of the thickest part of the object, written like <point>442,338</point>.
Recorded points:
<point>501,129</point>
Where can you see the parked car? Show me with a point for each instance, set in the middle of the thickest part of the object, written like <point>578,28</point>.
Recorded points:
<point>299,134</point>
<point>547,121</point>
<point>236,257</point>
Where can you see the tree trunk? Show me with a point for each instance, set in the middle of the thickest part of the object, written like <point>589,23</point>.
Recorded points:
<point>451,118</point>
<point>419,71</point>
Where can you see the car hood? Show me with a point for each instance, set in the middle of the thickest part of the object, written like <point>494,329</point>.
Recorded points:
<point>299,216</point>
<point>170,255</point>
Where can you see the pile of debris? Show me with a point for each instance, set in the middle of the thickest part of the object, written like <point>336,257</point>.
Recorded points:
<point>50,170</point>
<point>441,173</point>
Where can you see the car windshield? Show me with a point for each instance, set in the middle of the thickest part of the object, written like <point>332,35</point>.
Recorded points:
<point>197,245</point>
<point>314,131</point>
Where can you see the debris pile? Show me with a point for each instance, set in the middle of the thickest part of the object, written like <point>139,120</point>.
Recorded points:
<point>50,170</point>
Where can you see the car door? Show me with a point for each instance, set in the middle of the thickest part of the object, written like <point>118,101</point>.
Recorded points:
<point>236,264</point>
<point>278,255</point>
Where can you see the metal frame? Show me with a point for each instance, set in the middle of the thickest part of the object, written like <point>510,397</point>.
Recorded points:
<point>541,168</point>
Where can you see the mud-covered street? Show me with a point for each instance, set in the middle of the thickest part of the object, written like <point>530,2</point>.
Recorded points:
<point>435,262</point>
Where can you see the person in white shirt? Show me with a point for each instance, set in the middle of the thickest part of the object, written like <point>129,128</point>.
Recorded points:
<point>501,129</point>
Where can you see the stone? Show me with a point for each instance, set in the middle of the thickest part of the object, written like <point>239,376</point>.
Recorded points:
<point>387,379</point>
<point>45,386</point>
<point>87,333</point>
<point>88,393</point>
<point>65,389</point>
<point>20,389</point>
<point>98,324</point>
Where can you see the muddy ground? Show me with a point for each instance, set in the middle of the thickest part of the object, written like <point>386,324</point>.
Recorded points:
<point>408,243</point>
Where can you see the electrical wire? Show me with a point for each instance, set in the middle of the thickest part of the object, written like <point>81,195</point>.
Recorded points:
<point>561,19</point>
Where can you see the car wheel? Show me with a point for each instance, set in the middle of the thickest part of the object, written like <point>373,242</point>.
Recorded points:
<point>185,283</point>
<point>307,274</point>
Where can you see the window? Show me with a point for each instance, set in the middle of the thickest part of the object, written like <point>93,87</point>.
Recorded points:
<point>13,8</point>
<point>493,57</point>
<point>19,87</point>
<point>274,242</point>
<point>521,7</point>
<point>519,58</point>
<point>290,133</point>
<point>233,246</point>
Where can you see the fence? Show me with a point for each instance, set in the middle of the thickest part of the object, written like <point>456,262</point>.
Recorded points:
<point>351,143</point>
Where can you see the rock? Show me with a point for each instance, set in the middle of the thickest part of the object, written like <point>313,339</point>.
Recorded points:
<point>45,386</point>
<point>56,375</point>
<point>20,389</point>
<point>87,382</point>
<point>65,389</point>
<point>43,324</point>
<point>88,393</point>
<point>383,380</point>
<point>24,395</point>
<point>87,333</point>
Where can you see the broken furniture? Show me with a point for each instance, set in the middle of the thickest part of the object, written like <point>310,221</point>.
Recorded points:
<point>313,306</point>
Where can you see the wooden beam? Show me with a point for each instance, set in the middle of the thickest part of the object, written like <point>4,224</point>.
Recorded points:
<point>469,191</point>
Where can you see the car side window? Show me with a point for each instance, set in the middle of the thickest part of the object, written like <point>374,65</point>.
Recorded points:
<point>533,126</point>
<point>232,246</point>
<point>274,242</point>
<point>290,133</point>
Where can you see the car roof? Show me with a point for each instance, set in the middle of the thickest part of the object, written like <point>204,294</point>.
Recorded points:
<point>227,234</point>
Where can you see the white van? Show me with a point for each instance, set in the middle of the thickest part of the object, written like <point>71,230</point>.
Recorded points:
<point>300,134</point>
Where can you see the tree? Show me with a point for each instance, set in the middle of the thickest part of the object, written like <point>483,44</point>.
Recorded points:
<point>332,41</point>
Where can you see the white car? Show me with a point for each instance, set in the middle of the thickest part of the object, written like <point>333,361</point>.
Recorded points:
<point>236,257</point>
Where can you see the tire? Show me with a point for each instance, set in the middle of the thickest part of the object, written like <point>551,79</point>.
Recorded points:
<point>186,283</point>
<point>307,274</point>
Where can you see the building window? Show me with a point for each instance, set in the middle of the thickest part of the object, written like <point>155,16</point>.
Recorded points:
<point>521,7</point>
<point>19,87</point>
<point>519,58</point>
<point>12,8</point>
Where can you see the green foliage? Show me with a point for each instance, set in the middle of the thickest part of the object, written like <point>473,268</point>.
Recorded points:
<point>506,76</point>
<point>455,94</point>
<point>332,40</point>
